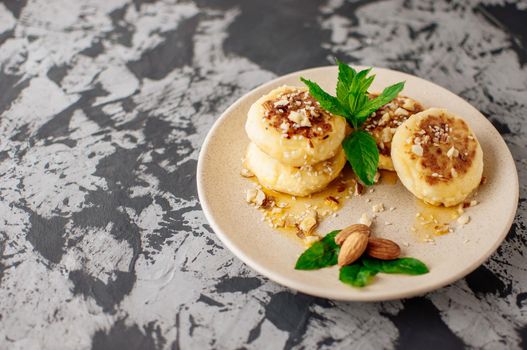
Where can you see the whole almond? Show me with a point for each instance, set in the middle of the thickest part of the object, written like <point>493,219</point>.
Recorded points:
<point>343,234</point>
<point>352,248</point>
<point>382,248</point>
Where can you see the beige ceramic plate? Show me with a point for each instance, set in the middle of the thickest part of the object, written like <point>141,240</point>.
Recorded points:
<point>221,192</point>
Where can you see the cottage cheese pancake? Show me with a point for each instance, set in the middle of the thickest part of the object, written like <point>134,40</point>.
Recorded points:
<point>289,125</point>
<point>385,121</point>
<point>297,181</point>
<point>437,157</point>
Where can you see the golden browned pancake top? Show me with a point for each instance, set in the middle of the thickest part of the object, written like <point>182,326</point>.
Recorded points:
<point>383,123</point>
<point>448,147</point>
<point>296,112</point>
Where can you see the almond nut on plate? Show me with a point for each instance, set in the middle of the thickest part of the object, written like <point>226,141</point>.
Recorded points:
<point>344,233</point>
<point>352,248</point>
<point>383,249</point>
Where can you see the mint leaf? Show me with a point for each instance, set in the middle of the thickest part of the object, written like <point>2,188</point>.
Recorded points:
<point>406,266</point>
<point>356,101</point>
<point>363,155</point>
<point>367,83</point>
<point>323,253</point>
<point>346,73</point>
<point>328,102</point>
<point>357,94</point>
<point>345,77</point>
<point>348,274</point>
<point>356,274</point>
<point>385,97</point>
<point>359,81</point>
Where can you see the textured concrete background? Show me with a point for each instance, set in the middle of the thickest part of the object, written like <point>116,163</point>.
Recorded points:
<point>103,108</point>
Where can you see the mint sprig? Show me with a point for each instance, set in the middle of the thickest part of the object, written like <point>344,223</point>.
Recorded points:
<point>324,253</point>
<point>353,103</point>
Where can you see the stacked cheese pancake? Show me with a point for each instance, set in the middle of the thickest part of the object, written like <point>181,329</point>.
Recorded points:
<point>384,122</point>
<point>437,157</point>
<point>295,144</point>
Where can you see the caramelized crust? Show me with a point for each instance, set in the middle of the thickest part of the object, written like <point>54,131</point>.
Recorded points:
<point>296,112</point>
<point>445,146</point>
<point>383,123</point>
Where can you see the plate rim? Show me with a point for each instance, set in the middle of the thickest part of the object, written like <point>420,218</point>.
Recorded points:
<point>318,291</point>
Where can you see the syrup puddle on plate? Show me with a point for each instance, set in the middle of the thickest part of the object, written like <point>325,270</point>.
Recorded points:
<point>287,213</point>
<point>388,177</point>
<point>432,221</point>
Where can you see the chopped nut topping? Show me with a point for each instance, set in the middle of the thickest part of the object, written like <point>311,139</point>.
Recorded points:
<point>358,188</point>
<point>417,150</point>
<point>309,221</point>
<point>299,118</point>
<point>377,208</point>
<point>409,104</point>
<point>332,200</point>
<point>281,103</point>
<point>447,150</point>
<point>463,219</point>
<point>401,112</point>
<point>384,122</point>
<point>365,220</point>
<point>255,196</point>
<point>250,195</point>
<point>246,173</point>
<point>452,152</point>
<point>295,113</point>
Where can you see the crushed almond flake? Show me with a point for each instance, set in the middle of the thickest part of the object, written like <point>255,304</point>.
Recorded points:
<point>365,220</point>
<point>463,219</point>
<point>377,208</point>
<point>401,112</point>
<point>246,173</point>
<point>452,152</point>
<point>358,188</point>
<point>281,103</point>
<point>309,222</point>
<point>409,104</point>
<point>417,150</point>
